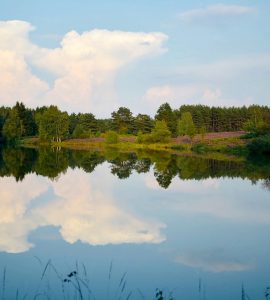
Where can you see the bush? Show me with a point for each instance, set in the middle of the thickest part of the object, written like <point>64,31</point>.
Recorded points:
<point>180,147</point>
<point>249,135</point>
<point>260,145</point>
<point>200,148</point>
<point>159,134</point>
<point>139,137</point>
<point>80,133</point>
<point>111,137</point>
<point>239,150</point>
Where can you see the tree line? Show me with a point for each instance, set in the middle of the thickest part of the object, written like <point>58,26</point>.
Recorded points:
<point>52,124</point>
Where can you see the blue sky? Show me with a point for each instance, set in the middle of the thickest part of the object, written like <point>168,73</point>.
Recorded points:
<point>99,55</point>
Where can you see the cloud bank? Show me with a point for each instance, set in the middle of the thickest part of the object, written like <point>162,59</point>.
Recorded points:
<point>82,69</point>
<point>215,83</point>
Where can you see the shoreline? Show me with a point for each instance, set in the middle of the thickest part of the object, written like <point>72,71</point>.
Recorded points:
<point>227,148</point>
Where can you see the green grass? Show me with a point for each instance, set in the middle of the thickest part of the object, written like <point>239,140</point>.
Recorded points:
<point>233,146</point>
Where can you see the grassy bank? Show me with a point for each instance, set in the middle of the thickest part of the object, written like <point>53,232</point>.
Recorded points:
<point>217,145</point>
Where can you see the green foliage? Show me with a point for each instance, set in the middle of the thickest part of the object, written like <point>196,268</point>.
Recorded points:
<point>80,133</point>
<point>4,111</point>
<point>51,162</point>
<point>201,115</point>
<point>260,145</point>
<point>239,150</point>
<point>18,161</point>
<point>200,148</point>
<point>27,118</point>
<point>104,125</point>
<point>159,134</point>
<point>180,147</point>
<point>202,132</point>
<point>218,119</point>
<point>19,122</point>
<point>186,126</point>
<point>73,122</point>
<point>122,121</point>
<point>166,114</point>
<point>53,125</point>
<point>143,123</point>
<point>111,137</point>
<point>88,122</point>
<point>83,125</point>
<point>13,128</point>
<point>139,139</point>
<point>255,122</point>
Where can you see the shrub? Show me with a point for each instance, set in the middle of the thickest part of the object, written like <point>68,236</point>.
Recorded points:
<point>80,133</point>
<point>139,137</point>
<point>180,147</point>
<point>111,137</point>
<point>200,148</point>
<point>260,145</point>
<point>159,134</point>
<point>186,125</point>
<point>239,150</point>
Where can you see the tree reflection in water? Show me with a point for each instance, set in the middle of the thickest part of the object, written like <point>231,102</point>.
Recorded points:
<point>51,162</point>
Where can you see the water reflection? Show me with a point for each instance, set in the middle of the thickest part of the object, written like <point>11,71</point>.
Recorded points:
<point>51,162</point>
<point>214,261</point>
<point>174,218</point>
<point>78,206</point>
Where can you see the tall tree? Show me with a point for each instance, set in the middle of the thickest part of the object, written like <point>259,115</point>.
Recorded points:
<point>88,122</point>
<point>122,120</point>
<point>161,132</point>
<point>53,124</point>
<point>166,114</point>
<point>186,125</point>
<point>13,128</point>
<point>4,111</point>
<point>19,122</point>
<point>27,118</point>
<point>143,123</point>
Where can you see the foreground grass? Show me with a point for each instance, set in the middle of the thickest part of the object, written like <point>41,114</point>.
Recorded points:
<point>77,284</point>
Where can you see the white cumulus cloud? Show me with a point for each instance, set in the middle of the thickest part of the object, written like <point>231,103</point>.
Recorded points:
<point>83,68</point>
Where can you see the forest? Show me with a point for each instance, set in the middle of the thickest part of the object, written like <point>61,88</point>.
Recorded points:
<point>51,124</point>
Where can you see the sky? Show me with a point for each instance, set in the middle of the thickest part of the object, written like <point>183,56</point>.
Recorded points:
<point>95,56</point>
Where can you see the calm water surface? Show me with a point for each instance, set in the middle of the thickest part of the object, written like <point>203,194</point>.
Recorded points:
<point>198,228</point>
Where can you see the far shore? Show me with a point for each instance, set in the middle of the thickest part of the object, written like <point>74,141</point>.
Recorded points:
<point>216,142</point>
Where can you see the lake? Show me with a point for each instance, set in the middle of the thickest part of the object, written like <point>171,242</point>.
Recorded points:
<point>110,225</point>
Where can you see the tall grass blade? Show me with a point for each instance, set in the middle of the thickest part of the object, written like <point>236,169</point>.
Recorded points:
<point>129,295</point>
<point>109,280</point>
<point>45,269</point>
<point>4,283</point>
